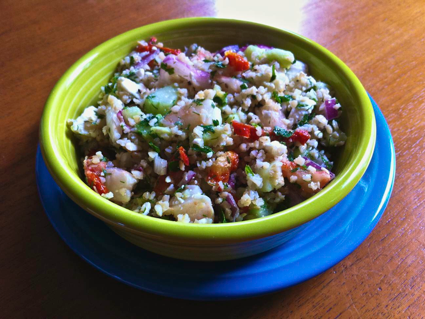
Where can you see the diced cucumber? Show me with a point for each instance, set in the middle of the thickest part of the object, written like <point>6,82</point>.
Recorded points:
<point>255,54</point>
<point>285,58</point>
<point>257,212</point>
<point>161,101</point>
<point>269,177</point>
<point>131,112</point>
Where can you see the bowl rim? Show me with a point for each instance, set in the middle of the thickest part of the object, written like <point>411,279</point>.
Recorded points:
<point>270,225</point>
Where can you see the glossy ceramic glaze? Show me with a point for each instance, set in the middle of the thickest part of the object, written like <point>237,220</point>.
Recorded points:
<point>320,245</point>
<point>79,87</point>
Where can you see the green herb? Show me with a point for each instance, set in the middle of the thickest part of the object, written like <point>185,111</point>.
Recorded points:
<point>223,216</point>
<point>174,166</point>
<point>282,132</point>
<point>212,74</point>
<point>273,73</point>
<point>208,128</point>
<point>196,113</point>
<point>187,128</point>
<point>213,105</point>
<point>219,65</point>
<point>276,97</point>
<point>221,101</point>
<point>326,161</point>
<point>180,188</point>
<point>104,159</point>
<point>178,123</point>
<point>243,86</point>
<point>305,119</point>
<point>105,172</point>
<point>198,101</point>
<point>291,156</point>
<point>154,147</point>
<point>228,160</point>
<point>253,97</point>
<point>167,69</point>
<point>204,149</point>
<point>216,122</point>
<point>132,61</point>
<point>294,61</point>
<point>302,105</point>
<point>122,182</point>
<point>207,61</point>
<point>248,170</point>
<point>131,76</point>
<point>295,169</point>
<point>242,80</point>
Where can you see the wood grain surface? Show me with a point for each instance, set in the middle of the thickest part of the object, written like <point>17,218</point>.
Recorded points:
<point>383,42</point>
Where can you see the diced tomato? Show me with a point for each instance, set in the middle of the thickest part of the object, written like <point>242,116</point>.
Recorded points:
<point>287,167</point>
<point>236,61</point>
<point>183,156</point>
<point>246,130</point>
<point>161,185</point>
<point>94,181</point>
<point>301,136</point>
<point>93,172</point>
<point>152,44</point>
<point>220,170</point>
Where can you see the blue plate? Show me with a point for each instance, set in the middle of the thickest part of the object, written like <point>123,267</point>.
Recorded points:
<point>324,242</point>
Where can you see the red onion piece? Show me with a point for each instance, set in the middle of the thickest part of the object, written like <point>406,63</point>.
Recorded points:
<point>187,178</point>
<point>330,111</point>
<point>121,118</point>
<point>232,181</point>
<point>188,72</point>
<point>234,48</point>
<point>309,162</point>
<point>146,59</point>
<point>233,206</point>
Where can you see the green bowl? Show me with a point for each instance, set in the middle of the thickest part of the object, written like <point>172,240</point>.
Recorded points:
<point>80,87</point>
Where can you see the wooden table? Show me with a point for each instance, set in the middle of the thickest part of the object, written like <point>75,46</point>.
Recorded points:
<point>383,42</point>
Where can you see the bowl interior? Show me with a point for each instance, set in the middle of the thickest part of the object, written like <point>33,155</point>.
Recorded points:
<point>80,87</point>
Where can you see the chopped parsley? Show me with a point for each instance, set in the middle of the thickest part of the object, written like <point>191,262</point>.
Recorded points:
<point>282,132</point>
<point>208,128</point>
<point>248,170</point>
<point>216,122</point>
<point>178,123</point>
<point>219,65</point>
<point>167,69</point>
<point>132,61</point>
<point>154,147</point>
<point>198,101</point>
<point>174,166</point>
<point>273,73</point>
<point>207,61</point>
<point>302,105</point>
<point>204,149</point>
<point>105,172</point>
<point>213,105</point>
<point>221,101</point>
<point>180,188</point>
<point>281,98</point>
<point>223,216</point>
<point>306,118</point>
<point>243,86</point>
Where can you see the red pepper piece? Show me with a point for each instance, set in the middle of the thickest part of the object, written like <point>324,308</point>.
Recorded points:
<point>246,130</point>
<point>94,181</point>
<point>236,61</point>
<point>183,156</point>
